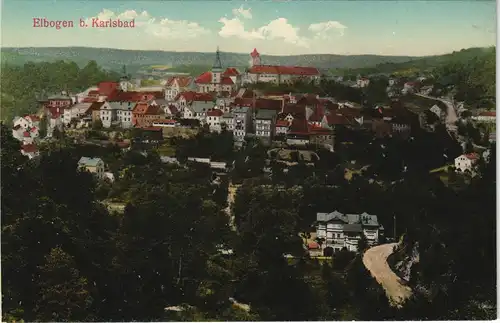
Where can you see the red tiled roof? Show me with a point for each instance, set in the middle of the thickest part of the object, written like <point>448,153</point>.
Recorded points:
<point>215,113</point>
<point>308,99</point>
<point>26,134</point>
<point>144,108</point>
<point>226,81</point>
<point>29,148</point>
<point>318,130</point>
<point>349,112</point>
<point>317,115</point>
<point>204,78</point>
<point>34,129</point>
<point>472,156</point>
<point>488,114</point>
<point>182,81</point>
<point>194,96</point>
<point>107,88</point>
<point>33,117</point>
<point>93,93</point>
<point>89,100</point>
<point>283,70</point>
<point>334,119</point>
<point>299,126</point>
<point>140,108</point>
<point>268,104</point>
<point>254,53</point>
<point>282,123</point>
<point>123,144</point>
<point>244,102</point>
<point>293,108</point>
<point>173,109</point>
<point>231,71</point>
<point>94,107</point>
<point>312,245</point>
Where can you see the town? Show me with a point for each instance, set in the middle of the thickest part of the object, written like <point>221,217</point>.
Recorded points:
<point>216,185</point>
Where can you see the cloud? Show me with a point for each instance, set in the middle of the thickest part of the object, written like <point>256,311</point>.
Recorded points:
<point>324,30</point>
<point>278,29</point>
<point>281,29</point>
<point>176,29</point>
<point>234,27</point>
<point>160,27</point>
<point>245,13</point>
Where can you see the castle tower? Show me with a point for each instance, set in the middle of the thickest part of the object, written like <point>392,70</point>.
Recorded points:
<point>217,69</point>
<point>255,57</point>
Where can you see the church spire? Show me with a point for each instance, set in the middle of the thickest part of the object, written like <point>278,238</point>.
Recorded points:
<point>217,63</point>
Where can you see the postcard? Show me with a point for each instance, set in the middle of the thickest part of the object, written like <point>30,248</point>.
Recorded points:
<point>248,160</point>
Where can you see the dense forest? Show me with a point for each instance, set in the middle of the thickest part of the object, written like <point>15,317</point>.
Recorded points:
<point>22,86</point>
<point>65,257</point>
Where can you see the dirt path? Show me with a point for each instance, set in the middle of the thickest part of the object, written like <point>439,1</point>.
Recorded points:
<point>375,260</point>
<point>230,200</point>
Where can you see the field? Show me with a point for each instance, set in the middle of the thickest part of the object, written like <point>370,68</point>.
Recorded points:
<point>166,150</point>
<point>160,67</point>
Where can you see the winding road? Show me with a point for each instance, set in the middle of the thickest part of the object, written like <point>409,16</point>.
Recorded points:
<point>375,260</point>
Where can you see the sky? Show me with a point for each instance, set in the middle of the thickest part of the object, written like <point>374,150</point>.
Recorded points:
<point>278,27</point>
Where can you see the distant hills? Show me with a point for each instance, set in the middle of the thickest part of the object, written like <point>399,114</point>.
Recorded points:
<point>424,64</point>
<point>114,59</point>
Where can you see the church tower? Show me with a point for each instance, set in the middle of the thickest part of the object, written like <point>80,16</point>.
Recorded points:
<point>217,70</point>
<point>255,57</point>
<point>124,80</point>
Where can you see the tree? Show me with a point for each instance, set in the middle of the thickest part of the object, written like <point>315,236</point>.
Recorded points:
<point>64,295</point>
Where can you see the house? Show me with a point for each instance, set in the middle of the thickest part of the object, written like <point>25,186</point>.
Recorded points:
<point>117,113</point>
<point>92,165</point>
<point>227,121</point>
<point>409,87</point>
<point>198,110</point>
<point>242,123</point>
<point>264,125</point>
<point>486,116</point>
<point>176,85</point>
<point>218,80</point>
<point>362,82</point>
<point>144,114</point>
<point>298,134</point>
<point>392,81</point>
<point>281,127</point>
<point>321,136</point>
<point>168,123</point>
<point>161,102</point>
<point>183,99</point>
<point>171,111</point>
<point>214,120</point>
<point>466,162</point>
<point>338,231</point>
<point>30,150</point>
<point>26,129</point>
<point>75,112</point>
<point>59,101</point>
<point>278,74</point>
<point>93,112</point>
<point>55,117</point>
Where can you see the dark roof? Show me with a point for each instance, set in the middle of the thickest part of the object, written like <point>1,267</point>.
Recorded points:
<point>265,114</point>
